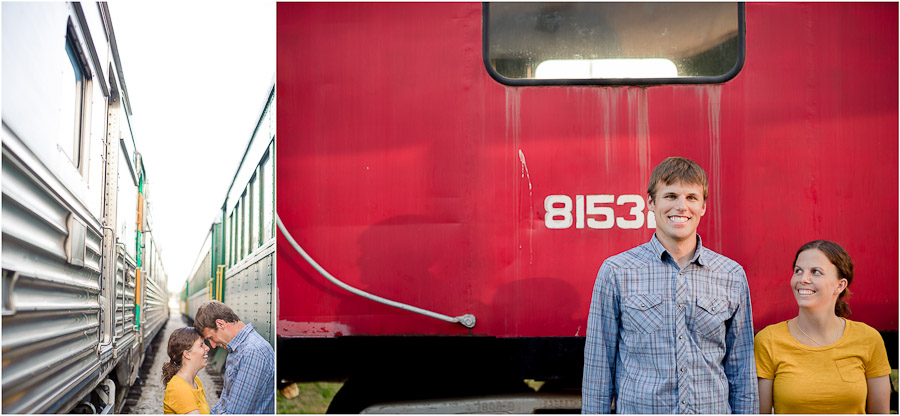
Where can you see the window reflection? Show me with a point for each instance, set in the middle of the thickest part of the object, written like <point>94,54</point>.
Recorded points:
<point>605,68</point>
<point>73,101</point>
<point>612,40</point>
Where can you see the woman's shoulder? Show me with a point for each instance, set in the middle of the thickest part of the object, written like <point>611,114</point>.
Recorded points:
<point>863,331</point>
<point>775,330</point>
<point>771,338</point>
<point>175,382</point>
<point>861,327</point>
<point>178,383</point>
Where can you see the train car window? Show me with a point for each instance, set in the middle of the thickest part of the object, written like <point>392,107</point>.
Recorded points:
<point>237,232</point>
<point>233,237</point>
<point>260,191</point>
<point>149,262</point>
<point>228,240</point>
<point>252,213</point>
<point>245,247</point>
<point>229,235</point>
<point>75,99</point>
<point>242,237</point>
<point>248,248</point>
<point>613,43</point>
<point>126,212</point>
<point>268,197</point>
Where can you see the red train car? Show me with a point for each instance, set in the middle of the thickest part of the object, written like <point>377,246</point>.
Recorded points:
<point>424,156</point>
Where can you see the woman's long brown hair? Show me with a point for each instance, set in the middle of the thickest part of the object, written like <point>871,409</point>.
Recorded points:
<point>180,341</point>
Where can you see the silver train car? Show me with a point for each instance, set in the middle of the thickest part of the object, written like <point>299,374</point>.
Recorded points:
<point>84,288</point>
<point>236,263</point>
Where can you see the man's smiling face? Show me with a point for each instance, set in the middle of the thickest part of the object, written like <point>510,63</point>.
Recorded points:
<point>678,208</point>
<point>220,336</point>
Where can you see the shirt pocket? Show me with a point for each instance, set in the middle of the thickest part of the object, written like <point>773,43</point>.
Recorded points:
<point>642,313</point>
<point>851,369</point>
<point>711,316</point>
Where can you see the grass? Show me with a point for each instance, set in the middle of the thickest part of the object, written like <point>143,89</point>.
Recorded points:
<point>312,398</point>
<point>894,386</point>
<point>894,379</point>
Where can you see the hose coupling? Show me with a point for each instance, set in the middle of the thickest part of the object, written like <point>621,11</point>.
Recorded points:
<point>467,320</point>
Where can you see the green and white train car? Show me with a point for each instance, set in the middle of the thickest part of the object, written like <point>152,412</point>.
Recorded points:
<point>236,264</point>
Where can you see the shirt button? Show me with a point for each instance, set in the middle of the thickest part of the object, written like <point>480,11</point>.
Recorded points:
<point>642,305</point>
<point>680,305</point>
<point>682,369</point>
<point>683,402</point>
<point>681,337</point>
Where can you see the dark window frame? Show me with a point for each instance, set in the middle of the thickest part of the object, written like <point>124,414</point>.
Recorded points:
<point>742,31</point>
<point>83,85</point>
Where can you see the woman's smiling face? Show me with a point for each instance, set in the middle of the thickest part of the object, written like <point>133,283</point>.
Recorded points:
<point>816,282</point>
<point>198,351</point>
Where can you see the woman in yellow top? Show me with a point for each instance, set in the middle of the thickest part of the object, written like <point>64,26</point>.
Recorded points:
<point>819,361</point>
<point>184,391</point>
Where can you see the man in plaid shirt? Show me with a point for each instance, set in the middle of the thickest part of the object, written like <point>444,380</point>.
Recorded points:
<point>250,366</point>
<point>670,328</point>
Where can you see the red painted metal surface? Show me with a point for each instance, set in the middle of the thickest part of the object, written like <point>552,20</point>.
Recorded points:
<point>405,170</point>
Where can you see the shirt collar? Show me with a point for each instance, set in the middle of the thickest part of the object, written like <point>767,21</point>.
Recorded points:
<point>239,339</point>
<point>660,252</point>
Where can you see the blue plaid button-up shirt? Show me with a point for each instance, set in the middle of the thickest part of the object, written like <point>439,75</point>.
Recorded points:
<point>661,339</point>
<point>249,375</point>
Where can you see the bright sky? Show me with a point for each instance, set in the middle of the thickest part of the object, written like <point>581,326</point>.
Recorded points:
<point>198,74</point>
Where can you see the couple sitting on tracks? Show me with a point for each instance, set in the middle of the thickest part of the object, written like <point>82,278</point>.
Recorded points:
<point>249,368</point>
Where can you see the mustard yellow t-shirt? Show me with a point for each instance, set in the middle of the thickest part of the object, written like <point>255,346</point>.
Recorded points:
<point>829,379</point>
<point>182,398</point>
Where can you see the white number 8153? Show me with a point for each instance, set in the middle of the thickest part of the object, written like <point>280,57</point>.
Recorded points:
<point>590,211</point>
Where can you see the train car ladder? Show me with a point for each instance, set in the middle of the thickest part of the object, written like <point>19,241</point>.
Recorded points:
<point>220,278</point>
<point>214,289</point>
<point>138,282</point>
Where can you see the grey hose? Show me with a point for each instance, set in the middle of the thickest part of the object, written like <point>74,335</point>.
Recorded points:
<point>467,320</point>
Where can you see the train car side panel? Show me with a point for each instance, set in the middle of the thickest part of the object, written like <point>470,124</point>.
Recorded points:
<point>39,92</point>
<point>51,309</point>
<point>418,177</point>
<point>249,290</point>
<point>70,340</point>
<point>51,233</point>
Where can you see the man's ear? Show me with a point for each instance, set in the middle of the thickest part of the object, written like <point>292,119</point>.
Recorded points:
<point>220,323</point>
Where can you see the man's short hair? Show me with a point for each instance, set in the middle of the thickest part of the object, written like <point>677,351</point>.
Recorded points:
<point>678,169</point>
<point>208,312</point>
